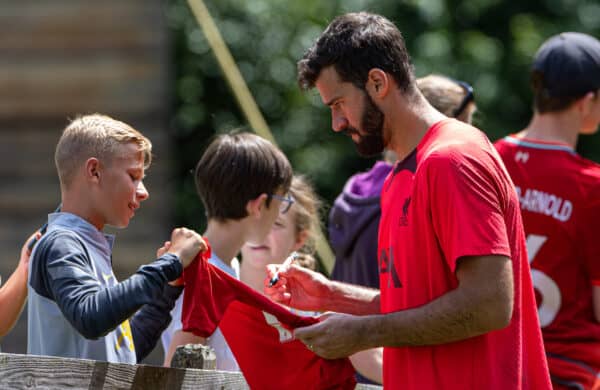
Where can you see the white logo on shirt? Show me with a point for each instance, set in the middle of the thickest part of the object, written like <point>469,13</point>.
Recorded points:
<point>284,334</point>
<point>521,156</point>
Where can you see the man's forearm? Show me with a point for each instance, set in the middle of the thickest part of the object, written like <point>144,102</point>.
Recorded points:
<point>351,299</point>
<point>454,316</point>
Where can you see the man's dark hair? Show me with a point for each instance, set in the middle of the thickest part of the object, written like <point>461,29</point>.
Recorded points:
<point>354,44</point>
<point>543,101</point>
<point>236,168</point>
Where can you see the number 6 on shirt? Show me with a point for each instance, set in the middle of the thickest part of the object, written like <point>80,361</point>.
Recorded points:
<point>548,289</point>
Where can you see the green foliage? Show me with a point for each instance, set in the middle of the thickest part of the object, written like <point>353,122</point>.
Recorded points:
<point>488,43</point>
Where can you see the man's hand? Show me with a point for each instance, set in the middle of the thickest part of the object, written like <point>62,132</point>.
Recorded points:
<point>186,244</point>
<point>297,287</point>
<point>335,336</point>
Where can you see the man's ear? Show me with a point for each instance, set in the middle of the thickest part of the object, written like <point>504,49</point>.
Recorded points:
<point>378,83</point>
<point>255,206</point>
<point>92,169</point>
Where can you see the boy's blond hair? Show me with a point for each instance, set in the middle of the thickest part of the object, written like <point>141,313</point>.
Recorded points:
<point>97,136</point>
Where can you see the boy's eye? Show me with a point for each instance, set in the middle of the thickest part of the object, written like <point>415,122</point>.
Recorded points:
<point>136,176</point>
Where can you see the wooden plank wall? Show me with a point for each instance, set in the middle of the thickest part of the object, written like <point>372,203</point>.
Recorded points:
<point>43,372</point>
<point>63,57</point>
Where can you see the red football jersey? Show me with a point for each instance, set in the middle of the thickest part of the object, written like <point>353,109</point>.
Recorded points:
<point>215,298</point>
<point>559,193</point>
<point>451,198</point>
<point>268,363</point>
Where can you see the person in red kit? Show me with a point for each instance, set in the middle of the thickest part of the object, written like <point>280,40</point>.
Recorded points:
<point>560,203</point>
<point>456,308</point>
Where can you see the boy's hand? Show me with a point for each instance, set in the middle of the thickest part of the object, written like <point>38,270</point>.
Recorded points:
<point>186,244</point>
<point>163,249</point>
<point>26,251</point>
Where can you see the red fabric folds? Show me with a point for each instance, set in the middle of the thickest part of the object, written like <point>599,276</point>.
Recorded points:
<point>213,298</point>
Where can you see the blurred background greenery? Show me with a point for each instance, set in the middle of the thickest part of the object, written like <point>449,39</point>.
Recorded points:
<point>488,43</point>
<point>61,58</point>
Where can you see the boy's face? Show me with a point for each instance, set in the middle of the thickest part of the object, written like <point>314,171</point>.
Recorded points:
<point>279,243</point>
<point>121,186</point>
<point>266,219</point>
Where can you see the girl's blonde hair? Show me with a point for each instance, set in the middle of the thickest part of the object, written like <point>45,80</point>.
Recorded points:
<point>307,208</point>
<point>445,94</point>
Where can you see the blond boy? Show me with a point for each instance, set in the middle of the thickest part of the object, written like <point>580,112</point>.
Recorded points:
<point>76,306</point>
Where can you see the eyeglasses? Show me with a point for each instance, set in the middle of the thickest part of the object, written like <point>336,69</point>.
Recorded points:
<point>469,97</point>
<point>286,202</point>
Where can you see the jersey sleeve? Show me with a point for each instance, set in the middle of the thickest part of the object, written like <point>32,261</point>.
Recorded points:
<point>466,206</point>
<point>66,275</point>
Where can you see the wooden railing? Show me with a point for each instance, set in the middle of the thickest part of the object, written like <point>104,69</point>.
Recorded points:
<point>45,372</point>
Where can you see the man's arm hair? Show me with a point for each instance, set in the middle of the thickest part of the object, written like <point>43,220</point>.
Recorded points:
<point>351,299</point>
<point>482,302</point>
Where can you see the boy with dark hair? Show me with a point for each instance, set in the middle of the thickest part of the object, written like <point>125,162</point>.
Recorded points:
<point>243,182</point>
<point>456,309</point>
<point>76,307</point>
<point>560,203</point>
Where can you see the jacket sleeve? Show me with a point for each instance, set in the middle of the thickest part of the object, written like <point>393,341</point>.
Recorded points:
<point>68,278</point>
<point>150,321</point>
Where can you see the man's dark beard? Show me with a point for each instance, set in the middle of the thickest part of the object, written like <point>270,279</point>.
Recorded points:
<point>371,143</point>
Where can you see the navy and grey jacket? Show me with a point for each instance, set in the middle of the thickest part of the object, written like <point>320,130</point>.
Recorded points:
<point>76,307</point>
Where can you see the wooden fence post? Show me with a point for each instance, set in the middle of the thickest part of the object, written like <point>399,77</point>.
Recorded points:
<point>194,356</point>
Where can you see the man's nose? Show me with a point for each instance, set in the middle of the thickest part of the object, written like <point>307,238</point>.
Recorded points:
<point>338,123</point>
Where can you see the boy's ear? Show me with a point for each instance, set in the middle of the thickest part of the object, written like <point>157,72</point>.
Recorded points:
<point>92,169</point>
<point>255,206</point>
<point>586,103</point>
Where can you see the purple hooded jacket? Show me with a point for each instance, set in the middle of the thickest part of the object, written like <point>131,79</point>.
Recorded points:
<point>354,226</point>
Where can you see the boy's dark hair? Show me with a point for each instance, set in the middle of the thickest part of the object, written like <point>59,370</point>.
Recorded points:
<point>354,44</point>
<point>543,101</point>
<point>236,168</point>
